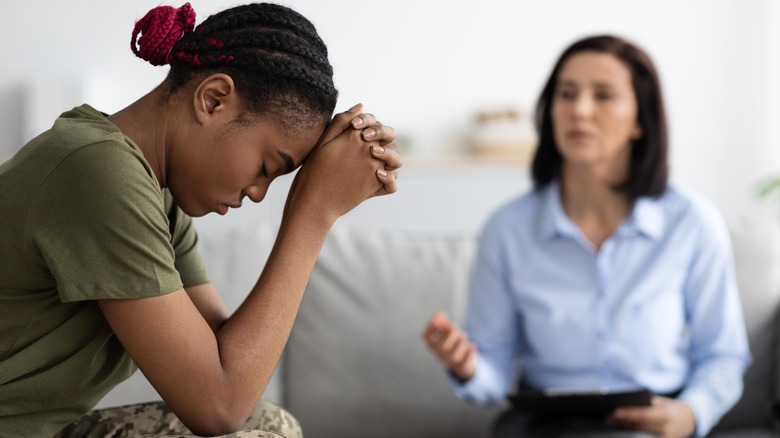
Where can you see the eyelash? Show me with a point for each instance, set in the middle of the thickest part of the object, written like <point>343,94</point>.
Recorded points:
<point>263,171</point>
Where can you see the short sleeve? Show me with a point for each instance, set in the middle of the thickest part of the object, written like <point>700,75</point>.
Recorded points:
<point>99,224</point>
<point>184,239</point>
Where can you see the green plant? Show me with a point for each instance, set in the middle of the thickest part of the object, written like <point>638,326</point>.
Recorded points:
<point>770,189</point>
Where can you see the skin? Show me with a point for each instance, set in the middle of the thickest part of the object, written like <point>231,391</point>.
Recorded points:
<point>594,113</point>
<point>209,366</point>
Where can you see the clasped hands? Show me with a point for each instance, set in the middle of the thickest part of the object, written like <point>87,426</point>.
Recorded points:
<point>355,158</point>
<point>379,138</point>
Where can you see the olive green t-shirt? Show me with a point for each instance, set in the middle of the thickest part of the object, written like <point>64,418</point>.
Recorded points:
<point>82,217</point>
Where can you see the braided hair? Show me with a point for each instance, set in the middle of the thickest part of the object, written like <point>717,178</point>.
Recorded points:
<point>277,60</point>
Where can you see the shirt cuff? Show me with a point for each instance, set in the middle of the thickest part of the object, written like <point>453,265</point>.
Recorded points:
<point>702,408</point>
<point>482,388</point>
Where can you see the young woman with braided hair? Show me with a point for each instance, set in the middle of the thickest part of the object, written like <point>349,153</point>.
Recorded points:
<point>99,270</point>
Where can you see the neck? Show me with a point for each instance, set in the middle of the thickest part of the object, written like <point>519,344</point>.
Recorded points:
<point>592,203</point>
<point>145,122</point>
<point>590,186</point>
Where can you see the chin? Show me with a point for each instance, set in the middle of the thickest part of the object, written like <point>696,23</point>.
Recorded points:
<point>198,213</point>
<point>193,212</point>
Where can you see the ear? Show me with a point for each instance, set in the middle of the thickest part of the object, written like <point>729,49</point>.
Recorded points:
<point>215,97</point>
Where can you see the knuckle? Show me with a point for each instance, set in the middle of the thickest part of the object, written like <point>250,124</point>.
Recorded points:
<point>343,117</point>
<point>383,132</point>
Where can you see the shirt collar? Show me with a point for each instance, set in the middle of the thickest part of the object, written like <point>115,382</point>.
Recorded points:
<point>645,218</point>
<point>552,220</point>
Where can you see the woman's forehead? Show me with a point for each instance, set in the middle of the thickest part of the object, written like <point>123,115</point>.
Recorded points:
<point>290,146</point>
<point>594,68</point>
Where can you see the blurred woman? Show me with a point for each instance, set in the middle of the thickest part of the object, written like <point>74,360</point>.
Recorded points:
<point>604,276</point>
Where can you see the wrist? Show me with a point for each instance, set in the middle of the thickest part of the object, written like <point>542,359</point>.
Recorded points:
<point>460,377</point>
<point>310,222</point>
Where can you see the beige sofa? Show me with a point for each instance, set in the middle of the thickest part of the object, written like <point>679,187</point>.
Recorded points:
<point>355,365</point>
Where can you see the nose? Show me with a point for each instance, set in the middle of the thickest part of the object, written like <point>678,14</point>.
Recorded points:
<point>583,106</point>
<point>256,192</point>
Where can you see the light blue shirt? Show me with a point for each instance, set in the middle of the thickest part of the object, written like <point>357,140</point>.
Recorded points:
<point>656,307</point>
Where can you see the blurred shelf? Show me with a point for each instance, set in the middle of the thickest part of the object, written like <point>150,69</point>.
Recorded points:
<point>465,161</point>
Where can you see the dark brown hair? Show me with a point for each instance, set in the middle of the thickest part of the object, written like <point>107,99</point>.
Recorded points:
<point>649,169</point>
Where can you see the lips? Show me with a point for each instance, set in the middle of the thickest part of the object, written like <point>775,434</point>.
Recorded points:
<point>577,134</point>
<point>223,208</point>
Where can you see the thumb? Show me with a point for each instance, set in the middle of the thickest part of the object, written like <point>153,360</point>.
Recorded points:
<point>340,123</point>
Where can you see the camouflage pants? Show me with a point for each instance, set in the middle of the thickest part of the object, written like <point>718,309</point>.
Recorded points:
<point>155,419</point>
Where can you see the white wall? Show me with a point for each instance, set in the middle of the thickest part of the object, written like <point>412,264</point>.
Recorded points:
<point>427,66</point>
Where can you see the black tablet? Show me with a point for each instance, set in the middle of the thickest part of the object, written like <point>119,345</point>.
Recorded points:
<point>580,403</point>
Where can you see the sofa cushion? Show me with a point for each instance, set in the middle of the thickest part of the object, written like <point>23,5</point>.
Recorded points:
<point>356,353</point>
<point>757,259</point>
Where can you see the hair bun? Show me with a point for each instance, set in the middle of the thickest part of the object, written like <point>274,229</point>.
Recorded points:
<point>160,29</point>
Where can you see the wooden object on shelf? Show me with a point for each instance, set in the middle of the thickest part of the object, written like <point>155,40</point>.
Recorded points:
<point>503,134</point>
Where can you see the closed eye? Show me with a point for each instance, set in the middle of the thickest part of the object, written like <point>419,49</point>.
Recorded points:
<point>264,171</point>
<point>288,161</point>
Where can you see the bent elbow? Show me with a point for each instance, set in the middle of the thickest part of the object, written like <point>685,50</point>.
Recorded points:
<point>218,421</point>
<point>215,427</point>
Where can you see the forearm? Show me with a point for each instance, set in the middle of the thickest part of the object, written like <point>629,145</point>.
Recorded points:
<point>209,305</point>
<point>253,339</point>
<point>712,390</point>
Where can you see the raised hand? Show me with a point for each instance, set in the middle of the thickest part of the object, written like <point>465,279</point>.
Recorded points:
<point>451,345</point>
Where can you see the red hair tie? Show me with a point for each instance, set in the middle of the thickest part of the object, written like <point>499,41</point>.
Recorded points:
<point>160,29</point>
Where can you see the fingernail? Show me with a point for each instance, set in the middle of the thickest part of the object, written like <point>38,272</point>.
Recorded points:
<point>355,108</point>
<point>381,172</point>
<point>357,121</point>
<point>368,134</point>
<point>379,150</point>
